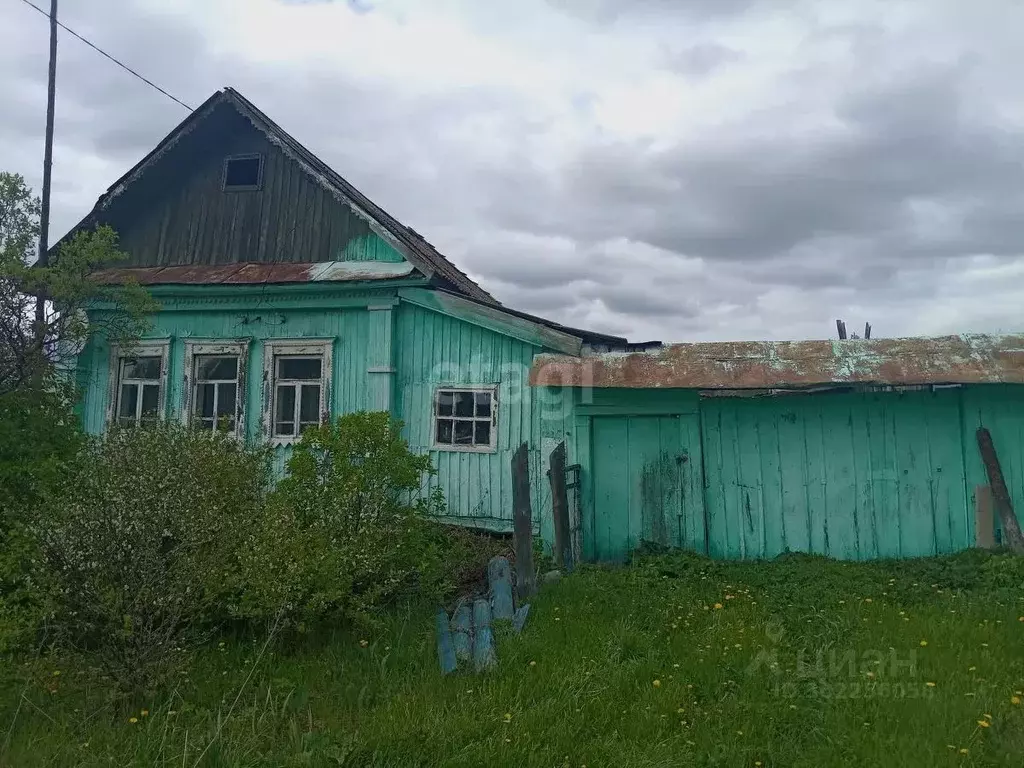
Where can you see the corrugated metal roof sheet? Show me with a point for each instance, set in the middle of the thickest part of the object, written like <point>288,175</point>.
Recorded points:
<point>967,359</point>
<point>253,273</point>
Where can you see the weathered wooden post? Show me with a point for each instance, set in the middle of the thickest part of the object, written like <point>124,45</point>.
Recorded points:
<point>462,632</point>
<point>522,522</point>
<point>445,649</point>
<point>499,579</point>
<point>1012,536</point>
<point>483,635</point>
<point>560,507</point>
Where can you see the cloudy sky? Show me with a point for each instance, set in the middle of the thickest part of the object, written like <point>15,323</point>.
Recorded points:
<point>664,169</point>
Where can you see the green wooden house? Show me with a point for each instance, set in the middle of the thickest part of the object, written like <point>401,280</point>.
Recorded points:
<point>287,297</point>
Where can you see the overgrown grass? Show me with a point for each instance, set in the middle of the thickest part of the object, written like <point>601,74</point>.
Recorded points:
<point>636,666</point>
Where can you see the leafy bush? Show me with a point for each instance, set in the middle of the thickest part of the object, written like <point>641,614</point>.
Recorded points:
<point>39,436</point>
<point>345,532</point>
<point>141,540</point>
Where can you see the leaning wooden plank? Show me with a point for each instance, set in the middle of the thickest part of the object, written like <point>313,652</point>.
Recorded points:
<point>984,525</point>
<point>1012,536</point>
<point>560,508</point>
<point>519,618</point>
<point>499,577</point>
<point>462,632</point>
<point>483,635</point>
<point>445,648</point>
<point>522,522</point>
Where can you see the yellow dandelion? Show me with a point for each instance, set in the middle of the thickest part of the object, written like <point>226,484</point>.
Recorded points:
<point>930,684</point>
<point>983,723</point>
<point>964,751</point>
<point>508,716</point>
<point>924,643</point>
<point>1015,700</point>
<point>657,683</point>
<point>133,720</point>
<point>718,606</point>
<point>56,673</point>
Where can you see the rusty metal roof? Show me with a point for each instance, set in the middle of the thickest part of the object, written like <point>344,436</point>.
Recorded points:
<point>966,359</point>
<point>254,273</point>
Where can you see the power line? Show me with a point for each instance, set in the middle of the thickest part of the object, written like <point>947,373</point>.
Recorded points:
<point>123,66</point>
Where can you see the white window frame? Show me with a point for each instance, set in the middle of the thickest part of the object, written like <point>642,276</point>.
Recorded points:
<point>272,349</point>
<point>197,347</point>
<point>151,348</point>
<point>492,446</point>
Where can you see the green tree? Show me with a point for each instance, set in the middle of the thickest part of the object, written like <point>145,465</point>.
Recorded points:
<point>39,433</point>
<point>30,355</point>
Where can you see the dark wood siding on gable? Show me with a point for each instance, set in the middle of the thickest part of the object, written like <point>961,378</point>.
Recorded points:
<point>179,213</point>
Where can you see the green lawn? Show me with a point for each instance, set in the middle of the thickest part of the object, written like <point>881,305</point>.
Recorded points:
<point>672,661</point>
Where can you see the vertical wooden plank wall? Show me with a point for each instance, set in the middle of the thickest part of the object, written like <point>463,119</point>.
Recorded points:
<point>1000,408</point>
<point>852,476</point>
<point>435,350</point>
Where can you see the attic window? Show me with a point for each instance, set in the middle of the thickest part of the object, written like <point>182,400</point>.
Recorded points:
<point>243,173</point>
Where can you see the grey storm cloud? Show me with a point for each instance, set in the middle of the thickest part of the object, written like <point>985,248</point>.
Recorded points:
<point>888,186</point>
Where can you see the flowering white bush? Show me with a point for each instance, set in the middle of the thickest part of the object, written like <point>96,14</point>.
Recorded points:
<point>142,541</point>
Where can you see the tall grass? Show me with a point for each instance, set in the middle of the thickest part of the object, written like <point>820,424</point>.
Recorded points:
<point>674,660</point>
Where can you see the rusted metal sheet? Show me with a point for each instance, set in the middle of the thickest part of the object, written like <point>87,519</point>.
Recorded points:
<point>966,359</point>
<point>256,273</point>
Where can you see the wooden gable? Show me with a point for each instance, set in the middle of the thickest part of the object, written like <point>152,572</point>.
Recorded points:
<point>179,211</point>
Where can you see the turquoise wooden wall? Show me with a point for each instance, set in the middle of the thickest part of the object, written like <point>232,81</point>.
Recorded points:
<point>387,355</point>
<point>849,475</point>
<point>436,350</point>
<point>854,476</point>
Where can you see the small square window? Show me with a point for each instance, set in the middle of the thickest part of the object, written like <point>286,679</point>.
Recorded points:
<point>464,419</point>
<point>243,173</point>
<point>138,385</point>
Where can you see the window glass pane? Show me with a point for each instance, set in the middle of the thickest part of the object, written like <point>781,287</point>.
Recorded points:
<point>306,368</point>
<point>216,367</point>
<point>464,432</point>
<point>284,420</point>
<point>481,433</point>
<point>309,406</point>
<point>463,403</point>
<point>445,402</point>
<point>226,399</point>
<point>150,401</point>
<point>444,431</point>
<point>242,172</point>
<point>129,400</point>
<point>204,400</point>
<point>141,368</point>
<point>483,403</point>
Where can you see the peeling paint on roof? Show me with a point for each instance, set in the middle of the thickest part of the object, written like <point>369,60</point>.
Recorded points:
<point>255,273</point>
<point>965,359</point>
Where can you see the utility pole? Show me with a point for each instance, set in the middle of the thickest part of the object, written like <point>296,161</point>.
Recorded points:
<point>44,213</point>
